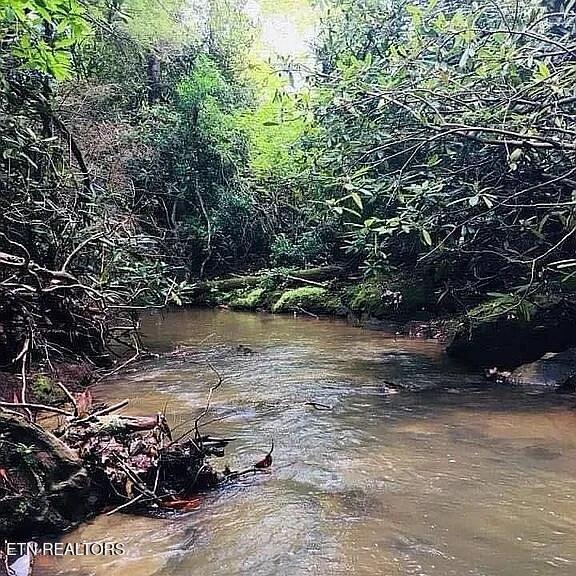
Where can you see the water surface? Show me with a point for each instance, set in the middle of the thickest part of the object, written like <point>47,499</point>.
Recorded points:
<point>457,479</point>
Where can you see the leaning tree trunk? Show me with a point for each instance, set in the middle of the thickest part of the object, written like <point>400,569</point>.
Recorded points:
<point>306,275</point>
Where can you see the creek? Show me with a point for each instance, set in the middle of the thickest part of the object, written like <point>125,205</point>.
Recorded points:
<point>456,478</point>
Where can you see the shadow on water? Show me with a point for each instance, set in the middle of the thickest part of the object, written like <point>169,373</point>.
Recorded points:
<point>459,478</point>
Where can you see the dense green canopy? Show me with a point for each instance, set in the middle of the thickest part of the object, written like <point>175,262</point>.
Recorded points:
<point>448,139</point>
<point>147,144</point>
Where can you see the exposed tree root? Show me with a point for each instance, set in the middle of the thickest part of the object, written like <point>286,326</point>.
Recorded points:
<point>100,460</point>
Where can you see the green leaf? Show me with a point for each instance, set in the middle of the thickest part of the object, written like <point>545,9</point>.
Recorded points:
<point>465,57</point>
<point>516,154</point>
<point>415,13</point>
<point>64,43</point>
<point>487,201</point>
<point>542,70</point>
<point>357,200</point>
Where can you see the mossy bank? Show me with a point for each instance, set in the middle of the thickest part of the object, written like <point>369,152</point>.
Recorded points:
<point>326,291</point>
<point>483,336</point>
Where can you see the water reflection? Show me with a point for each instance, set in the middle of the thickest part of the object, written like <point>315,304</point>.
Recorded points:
<point>462,481</point>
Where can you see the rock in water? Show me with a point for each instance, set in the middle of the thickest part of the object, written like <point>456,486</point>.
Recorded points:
<point>554,371</point>
<point>507,343</point>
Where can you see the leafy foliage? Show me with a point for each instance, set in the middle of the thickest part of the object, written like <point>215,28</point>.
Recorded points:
<point>74,258</point>
<point>447,138</point>
<point>40,34</point>
<point>134,159</point>
<point>436,137</point>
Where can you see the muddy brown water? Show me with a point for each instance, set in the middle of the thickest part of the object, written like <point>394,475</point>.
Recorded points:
<point>462,480</point>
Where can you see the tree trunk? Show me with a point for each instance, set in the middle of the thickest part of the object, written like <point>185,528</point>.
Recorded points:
<point>311,274</point>
<point>43,485</point>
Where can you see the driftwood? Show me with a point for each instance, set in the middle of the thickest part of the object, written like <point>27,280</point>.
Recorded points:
<point>307,276</point>
<point>48,482</point>
<point>98,458</point>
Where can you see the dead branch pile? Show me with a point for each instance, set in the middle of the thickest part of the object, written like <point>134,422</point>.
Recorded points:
<point>107,459</point>
<point>135,460</point>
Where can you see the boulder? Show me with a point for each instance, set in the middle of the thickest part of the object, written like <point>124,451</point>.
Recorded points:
<point>554,371</point>
<point>505,342</point>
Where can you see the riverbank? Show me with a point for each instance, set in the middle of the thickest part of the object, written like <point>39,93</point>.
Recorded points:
<point>377,483</point>
<point>493,333</point>
<point>391,304</point>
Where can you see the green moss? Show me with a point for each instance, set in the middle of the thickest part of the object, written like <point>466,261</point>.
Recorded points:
<point>366,298</point>
<point>385,299</point>
<point>45,390</point>
<point>311,299</point>
<point>373,298</point>
<point>212,297</point>
<point>247,299</point>
<point>509,305</point>
<point>415,297</point>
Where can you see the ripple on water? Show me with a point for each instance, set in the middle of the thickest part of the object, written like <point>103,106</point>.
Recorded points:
<point>458,481</point>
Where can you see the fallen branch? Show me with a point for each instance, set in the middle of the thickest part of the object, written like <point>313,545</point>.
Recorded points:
<point>318,405</point>
<point>306,281</point>
<point>40,407</point>
<point>134,500</point>
<point>300,309</point>
<point>104,411</point>
<point>207,408</point>
<point>305,275</point>
<point>69,395</point>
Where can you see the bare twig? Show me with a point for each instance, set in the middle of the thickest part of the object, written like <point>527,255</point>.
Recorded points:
<point>40,407</point>
<point>318,406</point>
<point>207,408</point>
<point>104,411</point>
<point>69,395</point>
<point>126,504</point>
